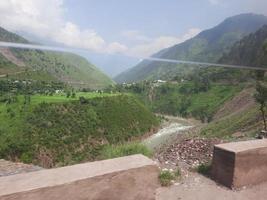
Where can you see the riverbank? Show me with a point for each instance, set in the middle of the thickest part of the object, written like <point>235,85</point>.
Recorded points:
<point>170,128</point>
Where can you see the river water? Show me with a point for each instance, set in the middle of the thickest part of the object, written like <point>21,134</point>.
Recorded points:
<point>167,133</point>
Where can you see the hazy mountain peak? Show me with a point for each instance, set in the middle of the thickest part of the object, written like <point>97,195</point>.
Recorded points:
<point>208,46</point>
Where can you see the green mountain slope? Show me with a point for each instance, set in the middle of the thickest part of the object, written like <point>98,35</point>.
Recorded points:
<point>208,46</point>
<point>65,67</point>
<point>54,130</point>
<point>7,36</point>
<point>244,119</point>
<point>250,51</point>
<point>242,114</point>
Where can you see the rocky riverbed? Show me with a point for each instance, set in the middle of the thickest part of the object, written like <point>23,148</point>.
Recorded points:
<point>191,151</point>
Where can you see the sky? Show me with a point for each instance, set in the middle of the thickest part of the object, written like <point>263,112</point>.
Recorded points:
<point>134,28</point>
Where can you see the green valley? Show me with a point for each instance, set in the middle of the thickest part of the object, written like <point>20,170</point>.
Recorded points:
<point>57,109</point>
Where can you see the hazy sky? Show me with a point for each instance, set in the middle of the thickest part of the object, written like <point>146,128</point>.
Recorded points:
<point>131,27</point>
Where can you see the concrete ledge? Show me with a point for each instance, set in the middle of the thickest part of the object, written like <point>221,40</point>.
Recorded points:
<point>240,164</point>
<point>120,178</point>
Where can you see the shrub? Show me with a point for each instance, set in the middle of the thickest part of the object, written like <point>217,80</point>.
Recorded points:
<point>114,151</point>
<point>167,176</point>
<point>204,168</point>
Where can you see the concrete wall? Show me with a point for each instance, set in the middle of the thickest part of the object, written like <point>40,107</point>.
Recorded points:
<point>127,178</point>
<point>241,163</point>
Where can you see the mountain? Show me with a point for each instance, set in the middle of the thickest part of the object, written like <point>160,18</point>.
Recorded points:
<point>208,46</point>
<point>250,51</point>
<point>48,66</point>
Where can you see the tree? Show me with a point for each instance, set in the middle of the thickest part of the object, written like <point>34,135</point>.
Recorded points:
<point>68,93</point>
<point>73,95</point>
<point>27,99</point>
<point>261,98</point>
<point>265,47</point>
<point>261,91</point>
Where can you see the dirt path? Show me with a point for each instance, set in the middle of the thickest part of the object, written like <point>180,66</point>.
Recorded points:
<point>198,187</point>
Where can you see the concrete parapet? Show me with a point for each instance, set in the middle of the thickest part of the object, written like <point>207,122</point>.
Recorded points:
<point>240,164</point>
<point>126,178</point>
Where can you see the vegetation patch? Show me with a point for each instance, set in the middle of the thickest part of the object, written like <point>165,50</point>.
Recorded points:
<point>198,98</point>
<point>114,151</point>
<point>62,131</point>
<point>166,177</point>
<point>247,121</point>
<point>204,168</point>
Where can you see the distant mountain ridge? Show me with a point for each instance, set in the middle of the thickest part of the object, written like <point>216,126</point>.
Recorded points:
<point>208,46</point>
<point>48,66</point>
<point>251,50</point>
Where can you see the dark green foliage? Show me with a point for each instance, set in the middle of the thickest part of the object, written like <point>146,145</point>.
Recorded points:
<point>73,95</point>
<point>120,121</point>
<point>265,46</point>
<point>187,99</point>
<point>261,98</point>
<point>68,93</point>
<point>204,169</point>
<point>29,87</point>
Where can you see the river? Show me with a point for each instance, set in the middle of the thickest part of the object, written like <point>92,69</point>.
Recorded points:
<point>169,129</point>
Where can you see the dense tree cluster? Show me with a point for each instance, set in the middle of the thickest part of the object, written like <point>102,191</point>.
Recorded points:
<point>29,87</point>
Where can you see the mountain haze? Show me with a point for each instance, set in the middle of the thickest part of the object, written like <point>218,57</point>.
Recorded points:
<point>208,46</point>
<point>48,66</point>
<point>250,51</point>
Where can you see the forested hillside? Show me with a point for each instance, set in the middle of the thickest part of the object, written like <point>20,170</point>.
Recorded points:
<point>208,46</point>
<point>46,66</point>
<point>250,50</point>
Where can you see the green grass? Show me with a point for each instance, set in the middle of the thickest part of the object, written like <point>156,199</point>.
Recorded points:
<point>213,99</point>
<point>114,151</point>
<point>62,98</point>
<point>68,131</point>
<point>168,99</point>
<point>246,121</point>
<point>15,123</point>
<point>166,177</point>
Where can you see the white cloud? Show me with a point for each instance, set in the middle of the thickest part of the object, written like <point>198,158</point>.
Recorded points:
<point>160,43</point>
<point>116,47</point>
<point>72,36</point>
<point>45,19</point>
